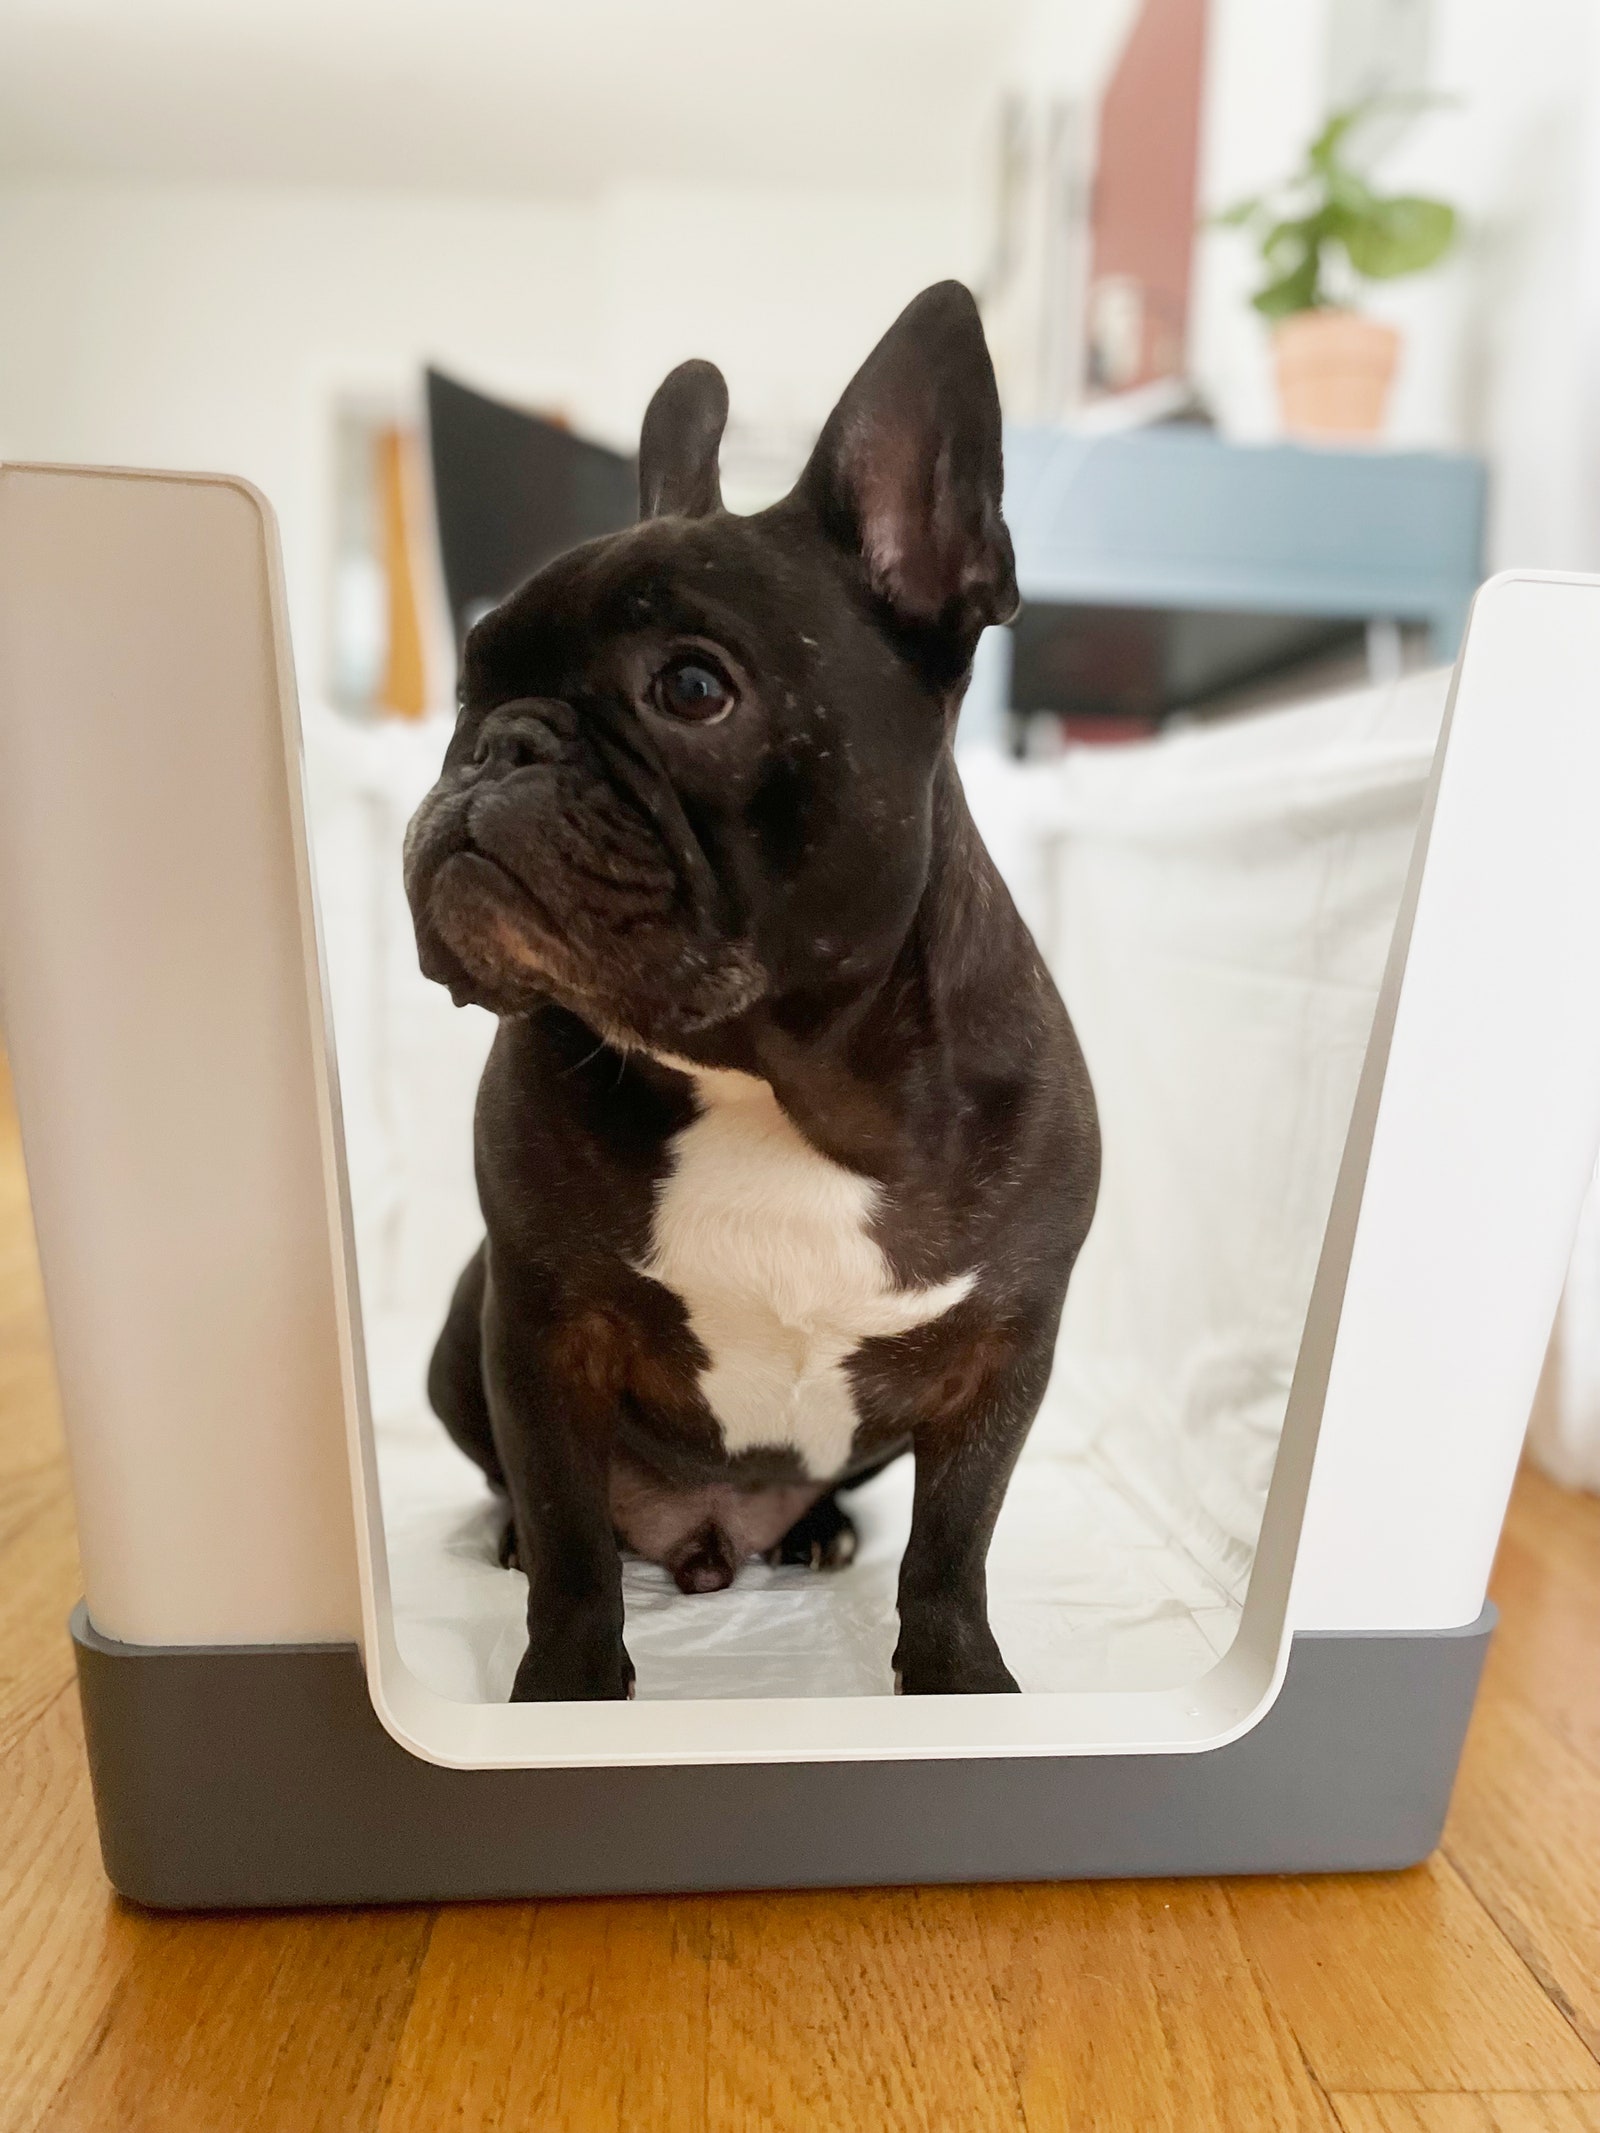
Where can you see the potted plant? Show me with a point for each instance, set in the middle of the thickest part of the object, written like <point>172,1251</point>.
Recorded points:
<point>1322,231</point>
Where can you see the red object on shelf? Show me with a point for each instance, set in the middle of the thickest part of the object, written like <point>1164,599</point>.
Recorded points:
<point>1142,221</point>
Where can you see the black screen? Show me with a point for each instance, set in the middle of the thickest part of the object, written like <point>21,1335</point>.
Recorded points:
<point>512,490</point>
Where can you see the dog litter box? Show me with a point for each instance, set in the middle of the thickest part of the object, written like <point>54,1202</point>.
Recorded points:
<point>267,1722</point>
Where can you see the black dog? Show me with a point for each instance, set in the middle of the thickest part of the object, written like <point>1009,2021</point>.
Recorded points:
<point>785,1145</point>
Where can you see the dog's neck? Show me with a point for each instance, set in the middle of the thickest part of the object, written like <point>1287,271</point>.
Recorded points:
<point>896,1074</point>
<point>887,1072</point>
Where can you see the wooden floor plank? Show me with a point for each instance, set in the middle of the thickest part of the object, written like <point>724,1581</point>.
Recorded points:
<point>38,1585</point>
<point>1134,2006</point>
<point>1559,1525</point>
<point>863,2009</point>
<point>583,2015</point>
<point>38,1549</point>
<point>1189,2007</point>
<point>1547,1582</point>
<point>60,1960</point>
<point>1512,2113</point>
<point>1401,1981</point>
<point>247,2025</point>
<point>29,1431</point>
<point>1524,1833</point>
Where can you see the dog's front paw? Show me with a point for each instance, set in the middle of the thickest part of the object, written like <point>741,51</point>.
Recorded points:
<point>951,1655</point>
<point>575,1668</point>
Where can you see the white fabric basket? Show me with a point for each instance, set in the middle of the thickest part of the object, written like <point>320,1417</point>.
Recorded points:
<point>1217,907</point>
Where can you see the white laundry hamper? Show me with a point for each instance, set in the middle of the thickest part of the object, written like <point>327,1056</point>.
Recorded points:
<point>254,1733</point>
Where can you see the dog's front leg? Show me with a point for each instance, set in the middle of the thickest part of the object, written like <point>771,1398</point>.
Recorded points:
<point>553,1421</point>
<point>963,1464</point>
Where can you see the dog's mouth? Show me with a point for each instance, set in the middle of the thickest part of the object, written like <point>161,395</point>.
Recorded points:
<point>491,924</point>
<point>522,895</point>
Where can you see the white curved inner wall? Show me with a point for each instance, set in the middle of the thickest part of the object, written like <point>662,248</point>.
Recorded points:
<point>1217,908</point>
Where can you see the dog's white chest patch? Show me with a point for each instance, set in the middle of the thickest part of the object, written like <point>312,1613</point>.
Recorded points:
<point>768,1246</point>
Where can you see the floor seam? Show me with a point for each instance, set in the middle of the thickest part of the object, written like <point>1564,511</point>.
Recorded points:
<point>1271,2006</point>
<point>13,1745</point>
<point>1546,1984</point>
<point>404,2023</point>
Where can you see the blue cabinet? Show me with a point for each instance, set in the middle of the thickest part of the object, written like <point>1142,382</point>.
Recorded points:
<point>1177,519</point>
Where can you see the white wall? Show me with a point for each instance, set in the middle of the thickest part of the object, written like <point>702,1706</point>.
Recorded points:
<point>206,325</point>
<point>787,290</point>
<point>157,324</point>
<point>1263,102</point>
<point>1500,349</point>
<point>510,97</point>
<point>1520,362</point>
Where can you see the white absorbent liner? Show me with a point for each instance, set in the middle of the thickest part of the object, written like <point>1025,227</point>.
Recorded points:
<point>1087,1590</point>
<point>1216,907</point>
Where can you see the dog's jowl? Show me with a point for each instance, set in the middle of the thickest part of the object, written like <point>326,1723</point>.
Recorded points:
<point>785,1145</point>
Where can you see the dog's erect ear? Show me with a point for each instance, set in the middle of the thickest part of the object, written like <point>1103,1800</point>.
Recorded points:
<point>678,443</point>
<point>907,471</point>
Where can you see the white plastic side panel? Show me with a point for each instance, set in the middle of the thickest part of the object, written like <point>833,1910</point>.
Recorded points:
<point>1484,1137</point>
<point>159,985</point>
<point>154,983</point>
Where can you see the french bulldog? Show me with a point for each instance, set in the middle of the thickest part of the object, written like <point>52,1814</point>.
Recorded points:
<point>785,1145</point>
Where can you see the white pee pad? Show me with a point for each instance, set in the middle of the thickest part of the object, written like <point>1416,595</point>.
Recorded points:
<point>1217,908</point>
<point>1086,1589</point>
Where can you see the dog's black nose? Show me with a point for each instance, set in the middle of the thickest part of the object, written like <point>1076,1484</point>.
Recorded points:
<point>517,735</point>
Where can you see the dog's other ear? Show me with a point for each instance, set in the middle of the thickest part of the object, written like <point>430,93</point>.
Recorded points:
<point>678,443</point>
<point>907,471</point>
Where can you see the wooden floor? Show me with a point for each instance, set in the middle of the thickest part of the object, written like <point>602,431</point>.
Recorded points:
<point>1461,1998</point>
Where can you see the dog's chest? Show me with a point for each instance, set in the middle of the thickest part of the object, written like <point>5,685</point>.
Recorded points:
<point>769,1247</point>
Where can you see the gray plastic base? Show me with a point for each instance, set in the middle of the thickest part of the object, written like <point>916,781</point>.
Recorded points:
<point>261,1776</point>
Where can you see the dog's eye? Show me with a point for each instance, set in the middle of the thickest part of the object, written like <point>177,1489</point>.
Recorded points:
<point>693,689</point>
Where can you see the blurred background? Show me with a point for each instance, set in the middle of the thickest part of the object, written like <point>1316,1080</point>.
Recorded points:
<point>1295,309</point>
<point>233,235</point>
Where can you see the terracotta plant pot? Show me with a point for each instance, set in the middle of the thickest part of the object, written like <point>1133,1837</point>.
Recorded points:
<point>1335,369</point>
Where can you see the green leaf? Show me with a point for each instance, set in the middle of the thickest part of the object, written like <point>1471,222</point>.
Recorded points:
<point>1400,235</point>
<point>1286,243</point>
<point>1297,290</point>
<point>1327,200</point>
<point>1324,150</point>
<point>1348,193</point>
